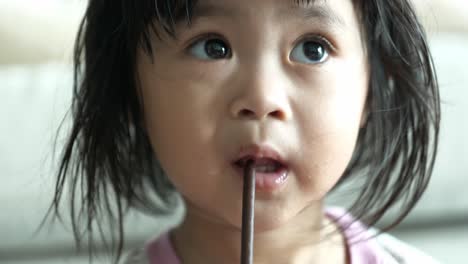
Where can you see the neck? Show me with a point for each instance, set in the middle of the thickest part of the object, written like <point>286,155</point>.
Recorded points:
<point>307,238</point>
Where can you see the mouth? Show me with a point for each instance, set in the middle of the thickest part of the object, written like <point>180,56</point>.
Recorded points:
<point>271,170</point>
<point>263,165</point>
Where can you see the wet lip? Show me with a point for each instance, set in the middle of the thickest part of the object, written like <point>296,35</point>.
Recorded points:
<point>271,170</point>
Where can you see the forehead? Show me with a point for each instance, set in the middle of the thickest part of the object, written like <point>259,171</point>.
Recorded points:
<point>332,12</point>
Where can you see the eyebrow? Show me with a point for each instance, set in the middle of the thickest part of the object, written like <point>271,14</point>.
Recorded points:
<point>308,10</point>
<point>313,11</point>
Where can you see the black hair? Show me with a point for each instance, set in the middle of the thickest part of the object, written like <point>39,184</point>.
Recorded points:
<point>108,160</point>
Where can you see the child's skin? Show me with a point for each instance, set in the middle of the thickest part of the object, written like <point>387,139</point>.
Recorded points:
<point>201,112</point>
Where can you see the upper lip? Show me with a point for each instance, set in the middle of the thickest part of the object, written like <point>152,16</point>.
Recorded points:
<point>258,151</point>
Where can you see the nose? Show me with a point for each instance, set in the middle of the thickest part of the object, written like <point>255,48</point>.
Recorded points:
<point>262,94</point>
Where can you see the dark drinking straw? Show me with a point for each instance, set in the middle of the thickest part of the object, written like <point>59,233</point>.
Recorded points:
<point>248,199</point>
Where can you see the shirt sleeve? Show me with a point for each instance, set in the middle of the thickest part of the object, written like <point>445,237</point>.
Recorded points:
<point>402,252</point>
<point>136,256</point>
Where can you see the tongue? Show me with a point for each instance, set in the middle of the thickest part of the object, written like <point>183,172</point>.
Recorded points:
<point>266,165</point>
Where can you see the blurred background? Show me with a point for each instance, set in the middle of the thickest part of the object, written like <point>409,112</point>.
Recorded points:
<point>36,40</point>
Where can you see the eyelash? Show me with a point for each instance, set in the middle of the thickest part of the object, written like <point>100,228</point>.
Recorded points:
<point>204,36</point>
<point>306,37</point>
<point>319,38</point>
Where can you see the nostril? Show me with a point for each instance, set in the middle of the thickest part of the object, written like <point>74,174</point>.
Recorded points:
<point>246,112</point>
<point>277,114</point>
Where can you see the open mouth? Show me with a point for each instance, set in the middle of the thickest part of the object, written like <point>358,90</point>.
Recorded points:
<point>264,165</point>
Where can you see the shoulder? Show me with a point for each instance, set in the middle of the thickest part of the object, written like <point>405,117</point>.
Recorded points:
<point>369,245</point>
<point>401,251</point>
<point>136,256</point>
<point>156,250</point>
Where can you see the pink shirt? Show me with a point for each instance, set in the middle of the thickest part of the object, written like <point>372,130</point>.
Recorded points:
<point>363,246</point>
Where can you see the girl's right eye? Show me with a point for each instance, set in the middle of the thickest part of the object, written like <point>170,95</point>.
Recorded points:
<point>210,49</point>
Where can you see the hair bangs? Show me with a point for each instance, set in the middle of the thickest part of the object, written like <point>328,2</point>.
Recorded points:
<point>160,17</point>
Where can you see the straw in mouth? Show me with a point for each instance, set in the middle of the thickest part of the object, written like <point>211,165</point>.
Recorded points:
<point>248,200</point>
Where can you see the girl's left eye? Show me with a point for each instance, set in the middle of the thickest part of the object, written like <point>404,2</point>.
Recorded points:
<point>210,49</point>
<point>309,52</point>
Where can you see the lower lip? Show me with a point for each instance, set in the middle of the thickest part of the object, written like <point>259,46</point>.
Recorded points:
<point>267,182</point>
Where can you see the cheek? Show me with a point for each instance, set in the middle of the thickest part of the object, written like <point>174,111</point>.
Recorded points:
<point>179,128</point>
<point>173,122</point>
<point>330,122</point>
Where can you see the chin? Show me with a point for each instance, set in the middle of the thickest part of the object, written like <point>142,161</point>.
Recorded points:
<point>269,223</point>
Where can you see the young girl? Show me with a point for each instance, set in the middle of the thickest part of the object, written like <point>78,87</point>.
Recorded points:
<point>173,96</point>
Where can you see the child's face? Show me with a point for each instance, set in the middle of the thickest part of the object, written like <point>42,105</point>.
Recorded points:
<point>256,72</point>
